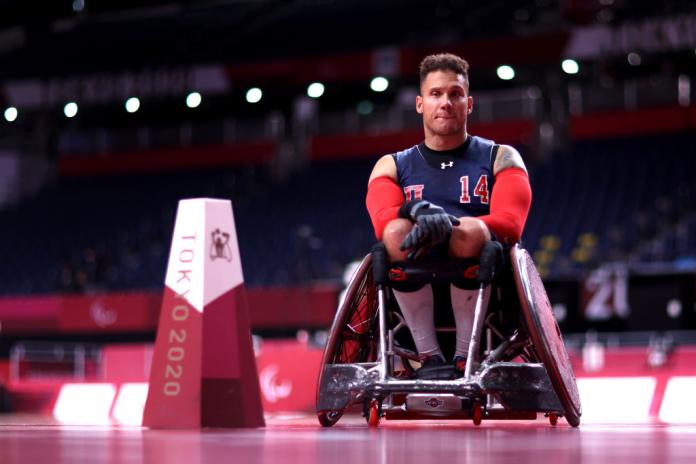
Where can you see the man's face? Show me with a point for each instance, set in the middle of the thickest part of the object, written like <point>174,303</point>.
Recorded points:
<point>444,103</point>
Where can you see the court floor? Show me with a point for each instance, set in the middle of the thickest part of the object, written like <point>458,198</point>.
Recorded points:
<point>299,438</point>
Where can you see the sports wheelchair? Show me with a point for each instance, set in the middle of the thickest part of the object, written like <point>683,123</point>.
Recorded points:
<point>517,365</point>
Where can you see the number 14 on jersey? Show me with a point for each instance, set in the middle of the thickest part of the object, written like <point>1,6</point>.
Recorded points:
<point>481,189</point>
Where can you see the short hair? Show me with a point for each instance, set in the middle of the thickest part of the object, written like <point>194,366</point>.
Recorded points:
<point>444,62</point>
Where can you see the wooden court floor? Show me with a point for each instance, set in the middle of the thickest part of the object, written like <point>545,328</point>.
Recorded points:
<point>299,438</point>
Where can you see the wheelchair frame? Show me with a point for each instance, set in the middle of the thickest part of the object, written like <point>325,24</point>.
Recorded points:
<point>358,366</point>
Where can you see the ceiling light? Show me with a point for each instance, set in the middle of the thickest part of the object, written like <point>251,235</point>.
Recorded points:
<point>11,114</point>
<point>193,100</point>
<point>570,66</point>
<point>379,84</point>
<point>70,109</point>
<point>505,72</point>
<point>315,90</point>
<point>132,104</point>
<point>254,95</point>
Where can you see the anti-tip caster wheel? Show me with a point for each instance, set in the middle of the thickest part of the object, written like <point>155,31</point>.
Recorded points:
<point>477,414</point>
<point>374,413</point>
<point>553,418</point>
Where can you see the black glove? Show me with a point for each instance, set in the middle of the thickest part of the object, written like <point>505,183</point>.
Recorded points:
<point>432,226</point>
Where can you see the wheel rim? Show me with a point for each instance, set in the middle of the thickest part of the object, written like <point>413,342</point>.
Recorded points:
<point>353,338</point>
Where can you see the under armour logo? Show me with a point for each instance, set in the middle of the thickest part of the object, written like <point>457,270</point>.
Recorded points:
<point>446,165</point>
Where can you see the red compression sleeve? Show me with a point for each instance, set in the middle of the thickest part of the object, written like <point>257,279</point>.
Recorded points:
<point>510,202</point>
<point>384,198</point>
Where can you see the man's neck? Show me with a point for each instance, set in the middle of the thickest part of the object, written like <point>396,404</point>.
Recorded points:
<point>441,143</point>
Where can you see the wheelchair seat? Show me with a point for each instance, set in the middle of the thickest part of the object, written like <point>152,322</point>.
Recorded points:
<point>521,369</point>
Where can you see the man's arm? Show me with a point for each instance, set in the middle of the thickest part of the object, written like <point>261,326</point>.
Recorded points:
<point>385,167</point>
<point>507,157</point>
<point>384,196</point>
<point>511,197</point>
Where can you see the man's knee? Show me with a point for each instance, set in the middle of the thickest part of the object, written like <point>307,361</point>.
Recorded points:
<point>468,238</point>
<point>394,234</point>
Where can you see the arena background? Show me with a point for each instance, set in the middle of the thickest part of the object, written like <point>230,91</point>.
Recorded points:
<point>600,106</point>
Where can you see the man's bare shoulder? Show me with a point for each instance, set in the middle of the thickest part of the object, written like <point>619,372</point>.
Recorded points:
<point>385,167</point>
<point>507,157</point>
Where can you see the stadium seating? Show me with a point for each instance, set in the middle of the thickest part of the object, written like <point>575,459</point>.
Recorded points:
<point>613,199</point>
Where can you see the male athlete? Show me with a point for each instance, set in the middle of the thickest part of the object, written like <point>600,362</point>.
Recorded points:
<point>449,194</point>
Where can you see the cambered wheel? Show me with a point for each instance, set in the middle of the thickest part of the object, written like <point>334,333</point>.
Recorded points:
<point>352,337</point>
<point>477,414</point>
<point>553,418</point>
<point>545,333</point>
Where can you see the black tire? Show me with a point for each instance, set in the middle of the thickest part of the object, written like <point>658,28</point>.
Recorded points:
<point>352,337</point>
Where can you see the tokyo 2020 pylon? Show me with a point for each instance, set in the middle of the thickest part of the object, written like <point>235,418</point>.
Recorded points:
<point>203,368</point>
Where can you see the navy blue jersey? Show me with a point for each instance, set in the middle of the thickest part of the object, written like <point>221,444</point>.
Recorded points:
<point>458,180</point>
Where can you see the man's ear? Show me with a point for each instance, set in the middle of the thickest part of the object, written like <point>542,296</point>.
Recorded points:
<point>470,104</point>
<point>419,104</point>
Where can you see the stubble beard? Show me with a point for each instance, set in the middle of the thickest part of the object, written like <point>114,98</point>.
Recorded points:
<point>446,130</point>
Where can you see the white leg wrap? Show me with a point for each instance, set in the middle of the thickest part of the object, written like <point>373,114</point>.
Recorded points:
<point>463,306</point>
<point>417,308</point>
